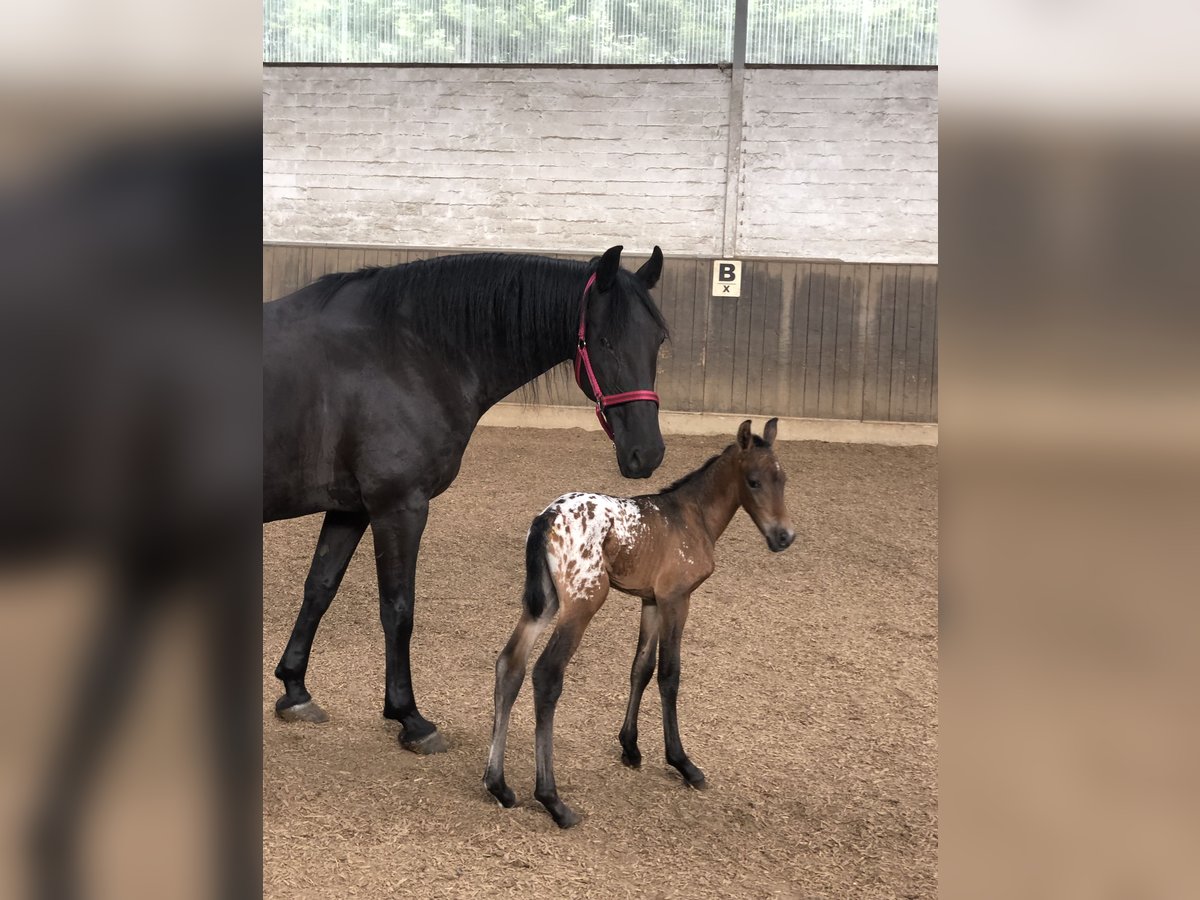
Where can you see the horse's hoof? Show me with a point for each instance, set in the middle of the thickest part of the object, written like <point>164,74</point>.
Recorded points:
<point>303,712</point>
<point>430,744</point>
<point>633,760</point>
<point>696,780</point>
<point>567,817</point>
<point>503,794</point>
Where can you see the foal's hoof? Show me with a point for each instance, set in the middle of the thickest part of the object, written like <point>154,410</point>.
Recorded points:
<point>427,745</point>
<point>302,712</point>
<point>503,793</point>
<point>564,816</point>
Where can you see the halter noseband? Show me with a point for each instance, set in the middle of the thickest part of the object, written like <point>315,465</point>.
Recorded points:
<point>584,364</point>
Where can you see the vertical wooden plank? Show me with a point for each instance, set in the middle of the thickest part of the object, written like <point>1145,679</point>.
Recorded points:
<point>742,349</point>
<point>321,261</point>
<point>718,369</point>
<point>666,294</point>
<point>303,267</point>
<point>933,388</point>
<point>829,331</point>
<point>701,312</point>
<point>268,260</point>
<point>899,343</point>
<point>266,272</point>
<point>928,345</point>
<point>765,399</point>
<point>281,279</point>
<point>887,325</point>
<point>786,274</point>
<point>847,301</point>
<point>870,348</point>
<point>812,353</point>
<point>912,356</point>
<point>757,350</point>
<point>355,258</point>
<point>292,269</point>
<point>801,276</point>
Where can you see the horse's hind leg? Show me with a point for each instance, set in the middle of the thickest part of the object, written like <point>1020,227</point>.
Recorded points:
<point>510,674</point>
<point>639,677</point>
<point>340,535</point>
<point>547,688</point>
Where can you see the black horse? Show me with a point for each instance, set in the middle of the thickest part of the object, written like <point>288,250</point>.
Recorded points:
<point>373,382</point>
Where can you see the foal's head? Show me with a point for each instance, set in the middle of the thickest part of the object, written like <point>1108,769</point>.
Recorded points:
<point>760,485</point>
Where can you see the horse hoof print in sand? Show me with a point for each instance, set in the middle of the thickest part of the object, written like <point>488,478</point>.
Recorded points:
<point>658,547</point>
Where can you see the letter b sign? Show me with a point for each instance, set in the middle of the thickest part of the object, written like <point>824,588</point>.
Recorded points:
<point>727,278</point>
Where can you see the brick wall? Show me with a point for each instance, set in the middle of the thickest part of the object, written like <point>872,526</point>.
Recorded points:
<point>839,163</point>
<point>836,163</point>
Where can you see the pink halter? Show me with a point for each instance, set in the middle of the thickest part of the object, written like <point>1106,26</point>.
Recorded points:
<point>584,364</point>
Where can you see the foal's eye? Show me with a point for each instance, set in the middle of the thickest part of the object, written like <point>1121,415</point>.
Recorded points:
<point>753,484</point>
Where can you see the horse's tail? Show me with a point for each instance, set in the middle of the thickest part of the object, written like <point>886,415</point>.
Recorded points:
<point>541,597</point>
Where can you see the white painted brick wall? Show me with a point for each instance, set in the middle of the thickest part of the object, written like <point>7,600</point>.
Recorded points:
<point>839,163</point>
<point>544,159</point>
<point>836,163</point>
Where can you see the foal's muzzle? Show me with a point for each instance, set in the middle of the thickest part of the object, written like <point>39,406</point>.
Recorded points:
<point>779,539</point>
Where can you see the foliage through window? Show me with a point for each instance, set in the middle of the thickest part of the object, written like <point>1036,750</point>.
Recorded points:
<point>680,32</point>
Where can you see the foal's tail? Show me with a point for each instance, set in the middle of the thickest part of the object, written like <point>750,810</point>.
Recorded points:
<point>541,597</point>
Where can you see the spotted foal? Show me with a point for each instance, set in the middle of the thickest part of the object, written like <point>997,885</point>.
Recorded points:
<point>658,547</point>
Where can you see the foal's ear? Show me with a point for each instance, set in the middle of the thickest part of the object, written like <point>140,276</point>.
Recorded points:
<point>650,272</point>
<point>610,264</point>
<point>743,436</point>
<point>769,431</point>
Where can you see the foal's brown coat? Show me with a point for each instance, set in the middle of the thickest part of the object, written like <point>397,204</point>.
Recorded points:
<point>658,547</point>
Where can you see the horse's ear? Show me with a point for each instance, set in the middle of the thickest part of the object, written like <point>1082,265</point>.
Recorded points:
<point>650,272</point>
<point>610,264</point>
<point>743,436</point>
<point>769,431</point>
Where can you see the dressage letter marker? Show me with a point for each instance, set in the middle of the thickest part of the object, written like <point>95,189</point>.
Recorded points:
<point>727,278</point>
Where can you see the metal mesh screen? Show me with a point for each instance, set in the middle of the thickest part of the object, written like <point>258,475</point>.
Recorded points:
<point>843,32</point>
<point>483,32</point>
<point>498,31</point>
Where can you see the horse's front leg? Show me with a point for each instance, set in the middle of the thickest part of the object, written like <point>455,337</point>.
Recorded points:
<point>639,677</point>
<point>673,614</point>
<point>397,540</point>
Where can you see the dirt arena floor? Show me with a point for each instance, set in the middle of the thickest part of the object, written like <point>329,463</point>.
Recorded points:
<point>808,697</point>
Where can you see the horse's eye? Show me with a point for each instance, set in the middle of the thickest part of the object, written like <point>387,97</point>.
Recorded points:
<point>753,484</point>
<point>604,343</point>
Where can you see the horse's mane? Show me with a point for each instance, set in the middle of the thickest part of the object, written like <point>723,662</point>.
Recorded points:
<point>482,302</point>
<point>696,474</point>
<point>693,475</point>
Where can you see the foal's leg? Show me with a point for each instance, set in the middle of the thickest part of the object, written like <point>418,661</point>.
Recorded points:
<point>340,534</point>
<point>639,677</point>
<point>101,692</point>
<point>674,615</point>
<point>397,539</point>
<point>510,674</point>
<point>547,688</point>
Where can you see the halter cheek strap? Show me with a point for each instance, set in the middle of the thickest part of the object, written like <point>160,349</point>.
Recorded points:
<point>583,364</point>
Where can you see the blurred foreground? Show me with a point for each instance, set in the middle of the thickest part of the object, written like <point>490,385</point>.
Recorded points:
<point>129,462</point>
<point>1070,445</point>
